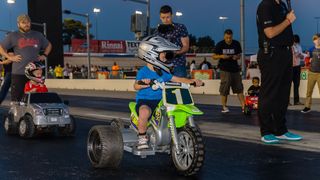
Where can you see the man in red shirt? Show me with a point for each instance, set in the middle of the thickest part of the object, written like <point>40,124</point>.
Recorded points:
<point>33,71</point>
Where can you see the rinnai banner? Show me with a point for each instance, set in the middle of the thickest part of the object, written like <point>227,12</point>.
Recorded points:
<point>132,47</point>
<point>80,45</point>
<point>112,46</point>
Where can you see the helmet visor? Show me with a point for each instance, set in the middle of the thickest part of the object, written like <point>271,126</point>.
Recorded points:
<point>166,57</point>
<point>169,55</point>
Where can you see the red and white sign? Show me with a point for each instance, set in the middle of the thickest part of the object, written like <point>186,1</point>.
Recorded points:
<point>112,46</point>
<point>80,45</point>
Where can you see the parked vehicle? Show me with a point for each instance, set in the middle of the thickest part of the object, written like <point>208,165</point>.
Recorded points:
<point>37,113</point>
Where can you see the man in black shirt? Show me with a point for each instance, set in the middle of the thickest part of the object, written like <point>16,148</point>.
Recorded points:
<point>228,51</point>
<point>275,62</point>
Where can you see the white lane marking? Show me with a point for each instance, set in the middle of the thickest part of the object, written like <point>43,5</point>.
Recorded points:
<point>248,133</point>
<point>244,133</point>
<point>107,116</point>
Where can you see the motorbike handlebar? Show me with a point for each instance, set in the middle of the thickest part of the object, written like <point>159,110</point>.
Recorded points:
<point>152,82</point>
<point>194,84</point>
<point>143,83</point>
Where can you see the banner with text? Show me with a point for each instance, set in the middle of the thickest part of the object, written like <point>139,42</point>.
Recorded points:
<point>80,46</point>
<point>132,47</point>
<point>112,46</point>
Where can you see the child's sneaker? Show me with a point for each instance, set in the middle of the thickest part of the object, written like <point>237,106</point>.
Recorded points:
<point>143,142</point>
<point>306,110</point>
<point>270,139</point>
<point>290,136</point>
<point>225,110</point>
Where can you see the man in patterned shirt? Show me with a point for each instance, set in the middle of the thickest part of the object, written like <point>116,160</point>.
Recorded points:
<point>178,35</point>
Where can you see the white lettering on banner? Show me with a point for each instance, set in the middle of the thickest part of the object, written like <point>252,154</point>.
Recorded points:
<point>111,45</point>
<point>103,44</point>
<point>228,51</point>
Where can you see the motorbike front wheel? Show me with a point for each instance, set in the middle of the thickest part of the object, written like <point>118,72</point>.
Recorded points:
<point>189,158</point>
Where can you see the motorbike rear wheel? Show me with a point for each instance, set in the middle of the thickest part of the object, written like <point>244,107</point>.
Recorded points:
<point>191,150</point>
<point>105,146</point>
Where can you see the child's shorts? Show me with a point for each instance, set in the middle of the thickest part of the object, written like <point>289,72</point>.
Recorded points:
<point>152,104</point>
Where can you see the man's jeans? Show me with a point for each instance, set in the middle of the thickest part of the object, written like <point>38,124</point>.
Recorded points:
<point>5,87</point>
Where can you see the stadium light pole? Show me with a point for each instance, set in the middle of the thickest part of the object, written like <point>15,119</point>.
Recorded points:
<point>223,18</point>
<point>242,37</point>
<point>179,14</point>
<point>10,3</point>
<point>317,19</point>
<point>96,11</point>
<point>88,37</point>
<point>147,3</point>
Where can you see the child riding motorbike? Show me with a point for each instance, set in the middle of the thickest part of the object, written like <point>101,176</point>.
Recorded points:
<point>157,52</point>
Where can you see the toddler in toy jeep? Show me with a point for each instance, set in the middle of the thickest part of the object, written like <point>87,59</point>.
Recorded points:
<point>34,72</point>
<point>255,87</point>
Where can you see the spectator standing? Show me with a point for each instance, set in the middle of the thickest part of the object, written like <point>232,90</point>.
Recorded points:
<point>115,70</point>
<point>26,45</point>
<point>83,70</point>
<point>313,73</point>
<point>193,66</point>
<point>205,65</point>
<point>178,35</point>
<point>66,71</point>
<point>298,57</point>
<point>51,72</point>
<point>253,71</point>
<point>7,65</point>
<point>228,51</point>
<point>275,62</point>
<point>58,71</point>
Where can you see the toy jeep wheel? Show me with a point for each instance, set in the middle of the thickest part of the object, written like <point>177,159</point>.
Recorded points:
<point>70,129</point>
<point>247,110</point>
<point>26,127</point>
<point>10,127</point>
<point>189,158</point>
<point>105,146</point>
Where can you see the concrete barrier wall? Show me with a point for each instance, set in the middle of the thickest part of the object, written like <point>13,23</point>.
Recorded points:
<point>211,86</point>
<point>126,62</point>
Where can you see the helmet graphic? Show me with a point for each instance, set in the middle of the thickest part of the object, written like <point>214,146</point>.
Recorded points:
<point>32,66</point>
<point>150,49</point>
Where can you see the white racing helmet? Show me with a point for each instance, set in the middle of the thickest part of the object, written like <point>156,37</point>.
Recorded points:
<point>150,49</point>
<point>32,66</point>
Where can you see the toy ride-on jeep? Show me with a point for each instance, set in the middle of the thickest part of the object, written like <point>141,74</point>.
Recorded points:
<point>37,113</point>
<point>171,130</point>
<point>251,103</point>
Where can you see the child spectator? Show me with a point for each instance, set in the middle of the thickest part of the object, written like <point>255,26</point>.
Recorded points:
<point>255,87</point>
<point>33,71</point>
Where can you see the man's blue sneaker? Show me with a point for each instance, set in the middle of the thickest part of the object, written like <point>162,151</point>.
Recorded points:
<point>290,136</point>
<point>270,139</point>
